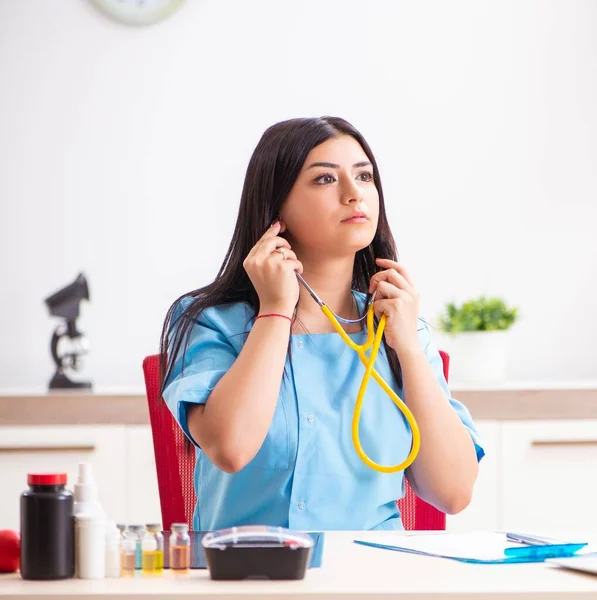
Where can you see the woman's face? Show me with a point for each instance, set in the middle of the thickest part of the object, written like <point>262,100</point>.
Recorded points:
<point>335,184</point>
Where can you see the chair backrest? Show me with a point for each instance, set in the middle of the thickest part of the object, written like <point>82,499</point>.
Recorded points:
<point>416,513</point>
<point>174,460</point>
<point>175,464</point>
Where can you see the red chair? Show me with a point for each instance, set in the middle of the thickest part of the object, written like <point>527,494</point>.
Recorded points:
<point>416,513</point>
<point>175,466</point>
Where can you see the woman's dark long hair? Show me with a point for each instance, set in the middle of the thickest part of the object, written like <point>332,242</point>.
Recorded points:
<point>271,174</point>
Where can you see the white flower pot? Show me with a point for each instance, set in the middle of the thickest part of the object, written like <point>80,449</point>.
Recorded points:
<point>478,356</point>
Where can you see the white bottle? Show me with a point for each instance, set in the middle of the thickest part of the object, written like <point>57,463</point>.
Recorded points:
<point>91,546</point>
<point>112,550</point>
<point>86,507</point>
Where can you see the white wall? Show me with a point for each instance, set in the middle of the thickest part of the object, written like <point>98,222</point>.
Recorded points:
<point>122,154</point>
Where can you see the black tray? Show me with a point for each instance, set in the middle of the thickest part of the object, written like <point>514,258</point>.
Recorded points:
<point>198,560</point>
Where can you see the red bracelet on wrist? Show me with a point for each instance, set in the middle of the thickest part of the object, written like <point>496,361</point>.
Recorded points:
<point>274,315</point>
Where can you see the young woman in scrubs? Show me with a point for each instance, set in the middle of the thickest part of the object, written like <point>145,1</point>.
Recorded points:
<point>265,388</point>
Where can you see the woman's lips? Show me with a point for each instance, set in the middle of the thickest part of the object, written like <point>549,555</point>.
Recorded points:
<point>356,220</point>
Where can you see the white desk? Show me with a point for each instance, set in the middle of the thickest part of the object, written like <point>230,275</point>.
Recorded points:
<point>349,571</point>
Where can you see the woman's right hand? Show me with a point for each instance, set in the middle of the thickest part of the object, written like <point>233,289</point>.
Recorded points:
<point>272,272</point>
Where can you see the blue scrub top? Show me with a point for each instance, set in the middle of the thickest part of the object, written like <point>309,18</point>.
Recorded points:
<point>307,475</point>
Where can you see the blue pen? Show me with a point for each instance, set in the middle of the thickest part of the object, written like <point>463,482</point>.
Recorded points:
<point>543,547</point>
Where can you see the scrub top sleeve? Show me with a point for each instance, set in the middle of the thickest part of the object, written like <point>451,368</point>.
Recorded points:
<point>435,360</point>
<point>208,357</point>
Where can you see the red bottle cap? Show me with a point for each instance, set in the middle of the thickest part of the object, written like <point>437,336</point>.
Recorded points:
<point>46,478</point>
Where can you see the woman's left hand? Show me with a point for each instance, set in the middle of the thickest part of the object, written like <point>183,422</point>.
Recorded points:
<point>398,300</point>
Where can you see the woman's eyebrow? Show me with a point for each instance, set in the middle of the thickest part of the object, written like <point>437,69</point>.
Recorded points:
<point>328,165</point>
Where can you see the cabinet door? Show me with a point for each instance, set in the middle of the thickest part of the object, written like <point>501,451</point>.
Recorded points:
<point>483,511</point>
<point>548,475</point>
<point>143,499</point>
<point>31,449</point>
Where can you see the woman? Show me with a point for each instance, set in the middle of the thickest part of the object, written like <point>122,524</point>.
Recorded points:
<point>265,388</point>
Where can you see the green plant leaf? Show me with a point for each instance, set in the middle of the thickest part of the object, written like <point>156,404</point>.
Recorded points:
<point>478,314</point>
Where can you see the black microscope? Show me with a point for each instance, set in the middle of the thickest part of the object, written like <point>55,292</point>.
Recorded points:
<point>68,343</point>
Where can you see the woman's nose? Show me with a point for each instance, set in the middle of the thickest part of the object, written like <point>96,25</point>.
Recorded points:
<point>350,192</point>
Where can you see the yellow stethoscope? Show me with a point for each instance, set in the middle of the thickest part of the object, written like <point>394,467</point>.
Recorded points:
<point>374,339</point>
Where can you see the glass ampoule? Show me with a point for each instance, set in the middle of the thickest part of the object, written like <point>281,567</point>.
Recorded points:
<point>152,559</point>
<point>128,556</point>
<point>138,533</point>
<point>180,548</point>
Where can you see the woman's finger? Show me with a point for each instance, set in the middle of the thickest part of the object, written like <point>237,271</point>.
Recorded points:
<point>283,253</point>
<point>270,244</point>
<point>383,307</point>
<point>389,275</point>
<point>296,265</point>
<point>386,263</point>
<point>387,290</point>
<point>272,231</point>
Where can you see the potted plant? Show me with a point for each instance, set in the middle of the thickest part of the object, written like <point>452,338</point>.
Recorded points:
<point>478,331</point>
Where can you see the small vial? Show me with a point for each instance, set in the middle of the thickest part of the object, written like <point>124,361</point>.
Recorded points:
<point>180,548</point>
<point>128,557</point>
<point>138,533</point>
<point>154,531</point>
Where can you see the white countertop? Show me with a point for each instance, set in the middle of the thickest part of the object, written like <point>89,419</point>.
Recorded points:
<point>348,571</point>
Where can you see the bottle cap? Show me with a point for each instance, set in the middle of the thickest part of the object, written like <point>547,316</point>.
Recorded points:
<point>46,478</point>
<point>154,527</point>
<point>138,529</point>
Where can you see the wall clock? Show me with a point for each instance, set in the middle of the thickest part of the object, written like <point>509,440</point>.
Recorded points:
<point>137,12</point>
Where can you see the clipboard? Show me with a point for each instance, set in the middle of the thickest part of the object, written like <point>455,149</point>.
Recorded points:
<point>477,547</point>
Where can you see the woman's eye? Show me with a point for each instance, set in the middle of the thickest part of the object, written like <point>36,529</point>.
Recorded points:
<point>327,178</point>
<point>366,176</point>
